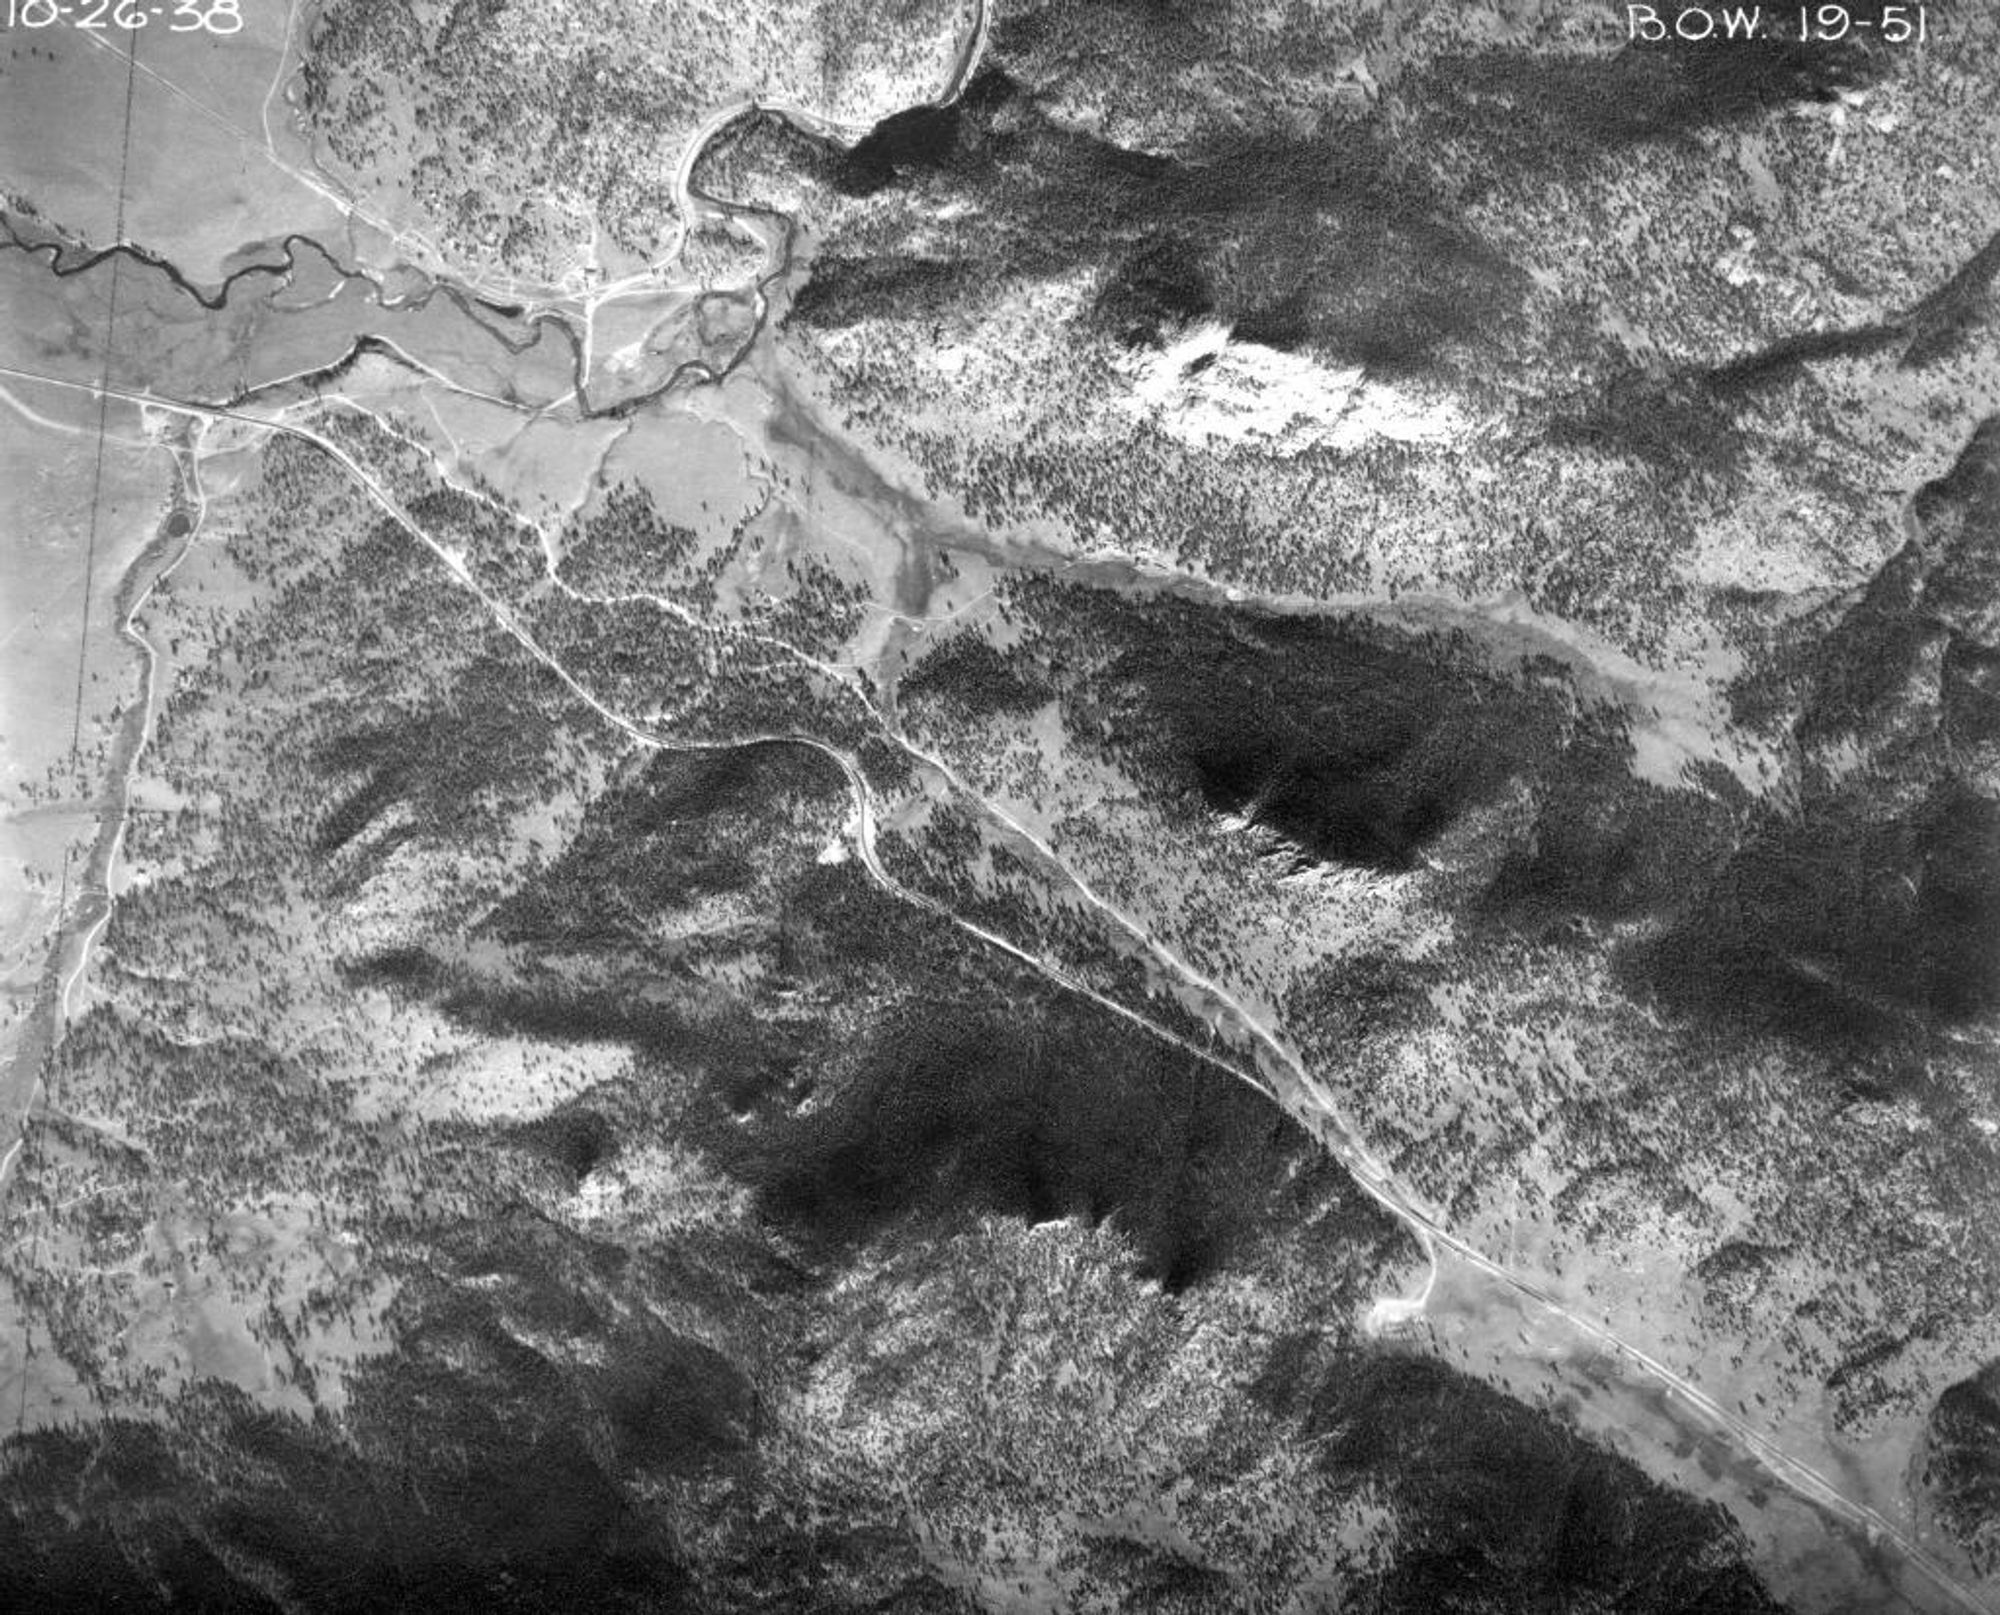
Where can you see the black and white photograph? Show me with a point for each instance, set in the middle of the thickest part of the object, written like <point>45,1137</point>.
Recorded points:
<point>999,807</point>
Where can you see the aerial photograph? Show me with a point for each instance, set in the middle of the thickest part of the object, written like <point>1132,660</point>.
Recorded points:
<point>978,807</point>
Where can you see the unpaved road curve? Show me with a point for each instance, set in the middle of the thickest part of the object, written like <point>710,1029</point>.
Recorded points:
<point>1305,1098</point>
<point>1284,1076</point>
<point>1367,1170</point>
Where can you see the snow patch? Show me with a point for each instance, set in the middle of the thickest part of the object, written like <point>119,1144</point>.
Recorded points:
<point>1204,388</point>
<point>1391,1315</point>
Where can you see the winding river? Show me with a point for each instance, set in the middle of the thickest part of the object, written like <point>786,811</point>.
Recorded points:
<point>1493,1319</point>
